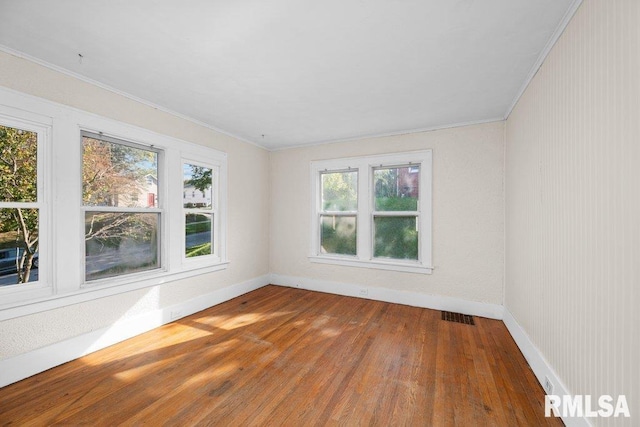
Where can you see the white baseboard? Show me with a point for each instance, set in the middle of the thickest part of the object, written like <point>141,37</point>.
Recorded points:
<point>22,366</point>
<point>541,368</point>
<point>415,299</point>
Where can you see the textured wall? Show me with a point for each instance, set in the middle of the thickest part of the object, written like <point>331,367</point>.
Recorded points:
<point>468,211</point>
<point>248,207</point>
<point>572,204</point>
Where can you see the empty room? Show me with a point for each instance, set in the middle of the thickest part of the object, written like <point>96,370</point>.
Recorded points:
<point>417,213</point>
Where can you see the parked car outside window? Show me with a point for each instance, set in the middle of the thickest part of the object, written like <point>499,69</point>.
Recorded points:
<point>10,258</point>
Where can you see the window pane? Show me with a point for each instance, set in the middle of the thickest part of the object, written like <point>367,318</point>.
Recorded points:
<point>119,243</point>
<point>395,237</point>
<point>338,234</point>
<point>196,191</point>
<point>339,191</point>
<point>198,235</point>
<point>397,189</point>
<point>18,165</point>
<point>118,175</point>
<point>18,248</point>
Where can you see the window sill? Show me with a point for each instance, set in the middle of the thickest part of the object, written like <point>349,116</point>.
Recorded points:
<point>405,267</point>
<point>102,289</point>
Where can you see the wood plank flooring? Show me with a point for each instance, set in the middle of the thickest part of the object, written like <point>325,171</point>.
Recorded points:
<point>282,356</point>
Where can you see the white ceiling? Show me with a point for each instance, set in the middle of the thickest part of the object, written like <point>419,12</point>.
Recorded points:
<point>298,71</point>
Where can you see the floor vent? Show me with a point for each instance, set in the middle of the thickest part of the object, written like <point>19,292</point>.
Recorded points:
<point>457,317</point>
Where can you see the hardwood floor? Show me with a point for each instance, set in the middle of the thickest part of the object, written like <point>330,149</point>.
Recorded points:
<point>282,356</point>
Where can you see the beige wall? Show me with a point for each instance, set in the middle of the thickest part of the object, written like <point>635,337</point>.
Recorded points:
<point>468,211</point>
<point>248,207</point>
<point>572,204</point>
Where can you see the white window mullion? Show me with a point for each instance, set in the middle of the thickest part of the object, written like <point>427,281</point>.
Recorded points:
<point>338,213</point>
<point>396,213</point>
<point>364,218</point>
<point>67,220</point>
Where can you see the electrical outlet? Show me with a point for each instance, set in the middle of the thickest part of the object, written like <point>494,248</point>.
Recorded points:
<point>175,314</point>
<point>548,385</point>
<point>363,292</point>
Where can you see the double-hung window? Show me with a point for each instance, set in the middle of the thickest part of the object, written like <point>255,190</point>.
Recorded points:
<point>199,204</point>
<point>122,214</point>
<point>22,206</point>
<point>338,212</point>
<point>396,214</point>
<point>373,211</point>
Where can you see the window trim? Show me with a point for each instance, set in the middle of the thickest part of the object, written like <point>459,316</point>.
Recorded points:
<point>364,252</point>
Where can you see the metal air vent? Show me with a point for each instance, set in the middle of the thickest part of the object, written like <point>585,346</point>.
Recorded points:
<point>457,317</point>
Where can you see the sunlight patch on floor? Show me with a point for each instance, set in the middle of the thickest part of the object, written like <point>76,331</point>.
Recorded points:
<point>138,372</point>
<point>330,332</point>
<point>229,323</point>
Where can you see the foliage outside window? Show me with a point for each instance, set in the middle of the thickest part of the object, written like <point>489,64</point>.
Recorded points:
<point>118,221</point>
<point>199,210</point>
<point>19,206</point>
<point>373,211</point>
<point>338,214</point>
<point>120,202</point>
<point>396,217</point>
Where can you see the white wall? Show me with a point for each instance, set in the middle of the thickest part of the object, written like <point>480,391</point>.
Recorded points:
<point>573,205</point>
<point>248,207</point>
<point>468,211</point>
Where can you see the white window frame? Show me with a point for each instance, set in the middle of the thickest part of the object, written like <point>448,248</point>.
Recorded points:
<point>61,266</point>
<point>216,245</point>
<point>156,210</point>
<point>365,166</point>
<point>41,125</point>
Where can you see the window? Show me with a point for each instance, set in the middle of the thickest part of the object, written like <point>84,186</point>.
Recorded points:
<point>21,202</point>
<point>199,210</point>
<point>118,203</point>
<point>122,218</point>
<point>338,212</point>
<point>395,212</point>
<point>373,212</point>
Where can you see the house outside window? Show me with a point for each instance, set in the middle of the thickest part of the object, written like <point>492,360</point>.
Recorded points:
<point>200,206</point>
<point>396,217</point>
<point>122,232</point>
<point>116,193</point>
